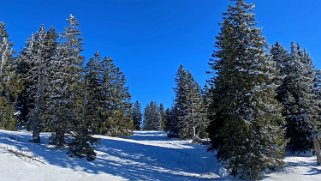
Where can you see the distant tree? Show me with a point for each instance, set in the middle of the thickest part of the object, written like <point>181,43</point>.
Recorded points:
<point>152,117</point>
<point>189,106</point>
<point>172,126</point>
<point>137,115</point>
<point>117,105</point>
<point>163,117</point>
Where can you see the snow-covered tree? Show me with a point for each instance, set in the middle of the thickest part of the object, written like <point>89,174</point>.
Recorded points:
<point>299,100</point>
<point>190,110</point>
<point>75,95</point>
<point>10,81</point>
<point>38,57</point>
<point>246,128</point>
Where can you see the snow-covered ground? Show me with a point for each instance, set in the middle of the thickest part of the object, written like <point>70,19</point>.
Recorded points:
<point>147,155</point>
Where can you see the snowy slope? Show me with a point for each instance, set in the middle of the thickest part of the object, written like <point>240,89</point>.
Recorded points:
<point>145,156</point>
<point>148,155</point>
<point>297,169</point>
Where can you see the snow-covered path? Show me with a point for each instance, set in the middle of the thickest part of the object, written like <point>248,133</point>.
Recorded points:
<point>147,155</point>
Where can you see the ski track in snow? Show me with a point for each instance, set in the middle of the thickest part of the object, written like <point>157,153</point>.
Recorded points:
<point>147,155</point>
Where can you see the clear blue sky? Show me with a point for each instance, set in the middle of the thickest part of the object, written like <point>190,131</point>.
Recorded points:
<point>149,39</point>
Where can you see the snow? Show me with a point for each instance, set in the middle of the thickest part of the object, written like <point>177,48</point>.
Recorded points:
<point>298,168</point>
<point>147,155</point>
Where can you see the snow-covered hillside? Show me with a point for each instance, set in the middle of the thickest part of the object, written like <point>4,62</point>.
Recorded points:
<point>148,155</point>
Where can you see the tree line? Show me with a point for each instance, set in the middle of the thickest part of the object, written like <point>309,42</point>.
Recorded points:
<point>260,102</point>
<point>46,87</point>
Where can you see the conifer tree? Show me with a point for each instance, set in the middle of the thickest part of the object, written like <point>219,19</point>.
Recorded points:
<point>299,100</point>
<point>137,115</point>
<point>152,116</point>
<point>246,126</point>
<point>189,105</point>
<point>10,82</point>
<point>39,59</point>
<point>93,98</point>
<point>116,97</point>
<point>163,117</point>
<point>57,114</point>
<point>171,127</point>
<point>77,125</point>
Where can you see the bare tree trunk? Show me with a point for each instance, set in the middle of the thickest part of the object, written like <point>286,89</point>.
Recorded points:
<point>36,128</point>
<point>317,150</point>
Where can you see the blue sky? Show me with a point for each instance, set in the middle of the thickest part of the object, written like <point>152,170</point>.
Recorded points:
<point>149,39</point>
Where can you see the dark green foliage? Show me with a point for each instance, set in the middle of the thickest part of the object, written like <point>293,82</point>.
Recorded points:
<point>152,117</point>
<point>190,111</point>
<point>171,128</point>
<point>246,121</point>
<point>10,82</point>
<point>93,98</point>
<point>137,115</point>
<point>298,100</point>
<point>117,112</point>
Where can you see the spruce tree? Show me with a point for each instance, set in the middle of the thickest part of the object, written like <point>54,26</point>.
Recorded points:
<point>299,100</point>
<point>171,127</point>
<point>137,115</point>
<point>39,59</point>
<point>246,124</point>
<point>77,125</point>
<point>189,105</point>
<point>57,114</point>
<point>152,117</point>
<point>93,98</point>
<point>10,81</point>
<point>116,97</point>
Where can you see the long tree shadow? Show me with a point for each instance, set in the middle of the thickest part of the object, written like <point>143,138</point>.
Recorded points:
<point>129,160</point>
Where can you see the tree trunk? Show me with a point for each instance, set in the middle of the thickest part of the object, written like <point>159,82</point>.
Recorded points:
<point>317,150</point>
<point>36,128</point>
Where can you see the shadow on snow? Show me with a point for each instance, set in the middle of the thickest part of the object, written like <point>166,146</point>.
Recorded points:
<point>129,160</point>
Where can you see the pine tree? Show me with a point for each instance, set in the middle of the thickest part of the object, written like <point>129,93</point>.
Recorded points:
<point>10,81</point>
<point>116,97</point>
<point>39,59</point>
<point>180,106</point>
<point>78,126</point>
<point>57,114</point>
<point>189,105</point>
<point>137,115</point>
<point>316,115</point>
<point>299,100</point>
<point>93,98</point>
<point>246,126</point>
<point>152,116</point>
<point>171,127</point>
